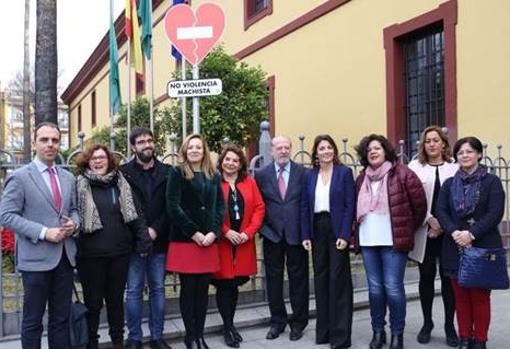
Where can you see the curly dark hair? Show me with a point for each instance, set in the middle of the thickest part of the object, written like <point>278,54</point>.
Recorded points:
<point>362,149</point>
<point>317,140</point>
<point>82,164</point>
<point>243,162</point>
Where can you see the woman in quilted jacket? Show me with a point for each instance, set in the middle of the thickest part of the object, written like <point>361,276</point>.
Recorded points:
<point>391,205</point>
<point>470,208</point>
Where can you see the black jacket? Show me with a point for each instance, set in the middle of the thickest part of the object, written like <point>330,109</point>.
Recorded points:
<point>153,204</point>
<point>116,238</point>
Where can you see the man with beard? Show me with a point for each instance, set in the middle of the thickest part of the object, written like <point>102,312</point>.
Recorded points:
<point>147,176</point>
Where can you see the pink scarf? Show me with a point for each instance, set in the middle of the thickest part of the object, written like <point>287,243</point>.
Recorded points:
<point>369,202</point>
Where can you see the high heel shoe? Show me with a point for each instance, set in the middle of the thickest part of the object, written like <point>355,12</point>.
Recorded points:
<point>424,334</point>
<point>237,335</point>
<point>230,340</point>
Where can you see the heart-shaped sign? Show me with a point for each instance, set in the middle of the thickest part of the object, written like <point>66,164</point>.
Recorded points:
<point>194,34</point>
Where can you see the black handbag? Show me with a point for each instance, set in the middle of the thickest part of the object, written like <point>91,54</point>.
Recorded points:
<point>483,268</point>
<point>78,328</point>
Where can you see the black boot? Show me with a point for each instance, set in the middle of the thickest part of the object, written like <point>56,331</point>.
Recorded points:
<point>424,334</point>
<point>378,340</point>
<point>479,345</point>
<point>397,341</point>
<point>464,343</point>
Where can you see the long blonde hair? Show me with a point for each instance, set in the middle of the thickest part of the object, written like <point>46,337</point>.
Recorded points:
<point>206,166</point>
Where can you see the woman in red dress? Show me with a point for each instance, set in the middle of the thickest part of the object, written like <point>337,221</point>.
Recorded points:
<point>243,217</point>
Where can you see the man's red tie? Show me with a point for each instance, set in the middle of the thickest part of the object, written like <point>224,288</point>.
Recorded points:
<point>54,188</point>
<point>281,183</point>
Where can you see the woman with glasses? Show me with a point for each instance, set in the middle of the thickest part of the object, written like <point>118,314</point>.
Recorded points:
<point>470,208</point>
<point>111,227</point>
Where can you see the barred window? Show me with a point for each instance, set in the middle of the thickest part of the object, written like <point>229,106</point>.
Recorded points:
<point>424,84</point>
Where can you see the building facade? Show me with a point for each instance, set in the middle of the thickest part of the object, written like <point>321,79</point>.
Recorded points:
<point>11,123</point>
<point>352,66</point>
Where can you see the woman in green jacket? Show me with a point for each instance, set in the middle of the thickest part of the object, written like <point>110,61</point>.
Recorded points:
<point>196,208</point>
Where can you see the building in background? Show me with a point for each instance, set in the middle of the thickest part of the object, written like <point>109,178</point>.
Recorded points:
<point>11,123</point>
<point>352,66</point>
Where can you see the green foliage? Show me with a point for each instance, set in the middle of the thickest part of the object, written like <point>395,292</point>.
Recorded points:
<point>140,112</point>
<point>236,113</point>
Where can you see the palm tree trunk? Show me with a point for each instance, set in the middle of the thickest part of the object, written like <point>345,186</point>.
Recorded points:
<point>26,87</point>
<point>46,62</point>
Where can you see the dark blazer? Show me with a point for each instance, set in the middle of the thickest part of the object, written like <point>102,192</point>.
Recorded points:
<point>487,216</point>
<point>341,202</point>
<point>154,204</point>
<point>283,217</point>
<point>192,208</point>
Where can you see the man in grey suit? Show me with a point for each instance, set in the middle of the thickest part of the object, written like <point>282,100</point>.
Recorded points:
<point>281,183</point>
<point>39,205</point>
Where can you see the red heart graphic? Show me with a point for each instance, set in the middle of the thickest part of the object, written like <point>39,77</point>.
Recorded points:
<point>194,34</point>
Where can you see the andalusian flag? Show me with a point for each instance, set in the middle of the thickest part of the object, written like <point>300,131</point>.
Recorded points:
<point>115,99</point>
<point>146,17</point>
<point>133,33</point>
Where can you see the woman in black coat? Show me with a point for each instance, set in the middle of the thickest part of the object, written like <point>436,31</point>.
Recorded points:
<point>470,208</point>
<point>111,227</point>
<point>196,208</point>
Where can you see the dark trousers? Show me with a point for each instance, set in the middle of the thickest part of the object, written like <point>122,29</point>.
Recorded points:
<point>193,301</point>
<point>333,286</point>
<point>296,258</point>
<point>227,292</point>
<point>104,278</point>
<point>55,288</point>
<point>428,270</point>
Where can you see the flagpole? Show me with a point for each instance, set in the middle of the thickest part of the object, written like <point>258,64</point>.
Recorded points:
<point>151,78</point>
<point>129,98</point>
<point>112,145</point>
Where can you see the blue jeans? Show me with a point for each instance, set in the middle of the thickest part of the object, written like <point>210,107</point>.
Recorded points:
<point>152,267</point>
<point>385,270</point>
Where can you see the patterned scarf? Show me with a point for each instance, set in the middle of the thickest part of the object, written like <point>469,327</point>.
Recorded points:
<point>368,201</point>
<point>466,190</point>
<point>87,209</point>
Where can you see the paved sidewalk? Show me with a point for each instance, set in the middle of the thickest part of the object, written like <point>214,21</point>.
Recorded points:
<point>362,332</point>
<point>252,323</point>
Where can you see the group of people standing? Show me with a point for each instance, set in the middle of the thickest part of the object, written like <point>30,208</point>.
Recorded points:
<point>122,226</point>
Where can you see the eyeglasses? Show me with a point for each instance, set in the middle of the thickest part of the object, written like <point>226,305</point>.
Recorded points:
<point>99,158</point>
<point>145,141</point>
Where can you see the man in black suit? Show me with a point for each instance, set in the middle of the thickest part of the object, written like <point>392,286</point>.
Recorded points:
<point>280,184</point>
